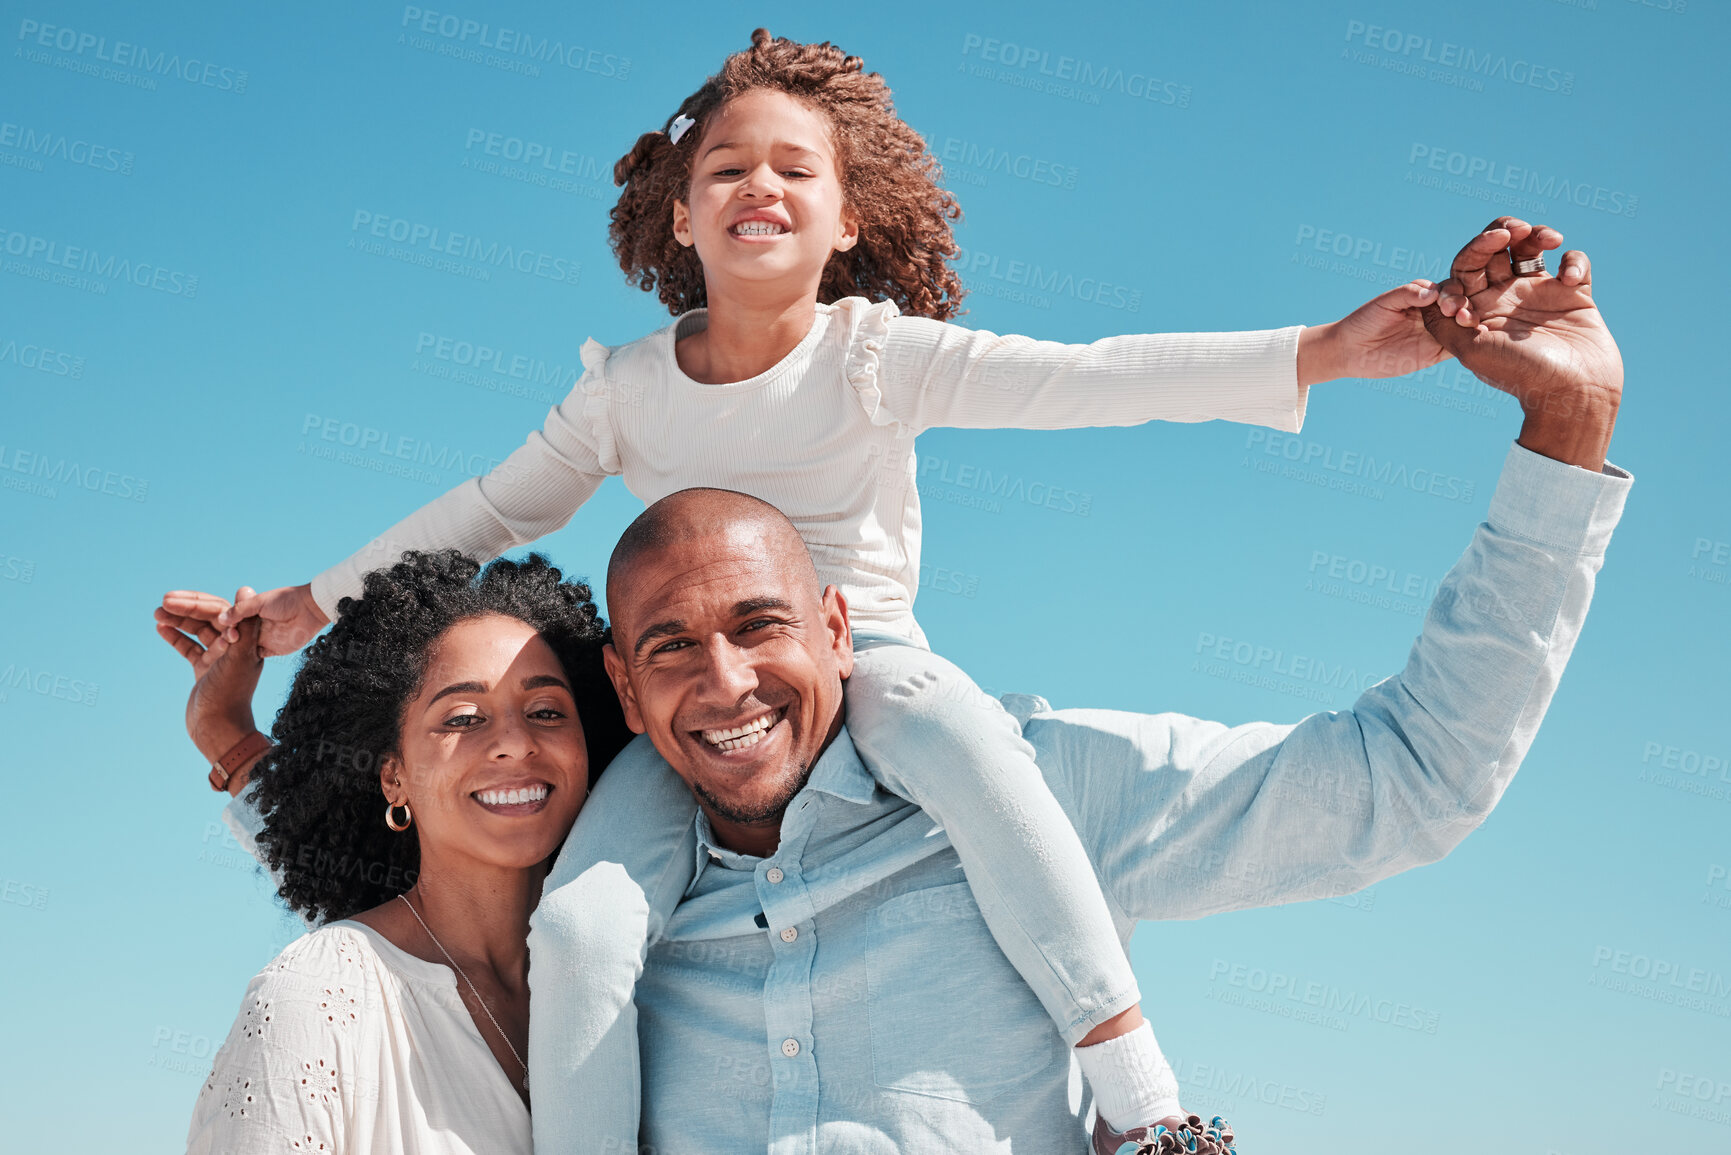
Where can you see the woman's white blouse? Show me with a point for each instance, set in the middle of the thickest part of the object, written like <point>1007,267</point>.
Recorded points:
<point>345,1043</point>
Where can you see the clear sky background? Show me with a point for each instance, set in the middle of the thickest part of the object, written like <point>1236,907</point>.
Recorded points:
<point>1243,166</point>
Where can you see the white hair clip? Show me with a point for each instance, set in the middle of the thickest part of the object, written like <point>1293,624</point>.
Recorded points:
<point>680,124</point>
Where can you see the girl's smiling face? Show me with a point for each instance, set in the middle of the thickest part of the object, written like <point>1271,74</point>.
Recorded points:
<point>766,206</point>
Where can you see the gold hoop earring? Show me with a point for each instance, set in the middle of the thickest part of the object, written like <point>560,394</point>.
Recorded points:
<point>391,818</point>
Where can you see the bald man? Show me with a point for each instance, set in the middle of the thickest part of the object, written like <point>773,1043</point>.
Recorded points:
<point>679,564</point>
<point>817,975</point>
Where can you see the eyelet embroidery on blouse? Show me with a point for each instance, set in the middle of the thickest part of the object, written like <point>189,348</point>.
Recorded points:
<point>320,1082</point>
<point>286,990</point>
<point>258,1016</point>
<point>237,1097</point>
<point>338,1006</point>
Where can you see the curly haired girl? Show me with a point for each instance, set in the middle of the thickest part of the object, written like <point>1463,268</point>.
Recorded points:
<point>796,229</point>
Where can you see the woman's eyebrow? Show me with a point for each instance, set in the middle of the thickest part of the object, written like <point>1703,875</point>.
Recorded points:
<point>533,682</point>
<point>459,688</point>
<point>538,680</point>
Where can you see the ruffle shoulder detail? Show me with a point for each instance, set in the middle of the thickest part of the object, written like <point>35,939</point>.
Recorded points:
<point>596,398</point>
<point>868,325</point>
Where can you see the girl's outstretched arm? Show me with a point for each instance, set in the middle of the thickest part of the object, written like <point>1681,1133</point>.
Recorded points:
<point>530,494</point>
<point>934,374</point>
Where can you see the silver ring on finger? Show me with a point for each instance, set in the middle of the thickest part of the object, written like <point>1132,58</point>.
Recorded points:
<point>1532,266</point>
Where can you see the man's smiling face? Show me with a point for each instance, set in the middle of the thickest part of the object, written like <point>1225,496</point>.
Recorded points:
<point>726,655</point>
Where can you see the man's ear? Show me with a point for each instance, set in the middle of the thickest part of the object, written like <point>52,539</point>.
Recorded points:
<point>682,226</point>
<point>622,686</point>
<point>840,629</point>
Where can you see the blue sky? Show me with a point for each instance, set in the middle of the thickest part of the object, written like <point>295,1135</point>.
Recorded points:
<point>1240,166</point>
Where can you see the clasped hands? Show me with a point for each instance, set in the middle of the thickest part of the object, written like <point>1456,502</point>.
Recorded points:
<point>1538,337</point>
<point>225,672</point>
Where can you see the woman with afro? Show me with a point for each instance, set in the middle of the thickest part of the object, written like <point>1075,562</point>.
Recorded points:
<point>434,750</point>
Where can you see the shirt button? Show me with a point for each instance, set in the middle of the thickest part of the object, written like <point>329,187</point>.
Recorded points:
<point>790,1047</point>
<point>774,874</point>
<point>788,933</point>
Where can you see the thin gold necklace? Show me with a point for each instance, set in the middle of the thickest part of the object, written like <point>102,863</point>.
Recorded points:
<point>472,989</point>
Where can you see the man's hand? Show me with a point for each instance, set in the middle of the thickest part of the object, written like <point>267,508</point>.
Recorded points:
<point>1384,337</point>
<point>288,617</point>
<point>219,709</point>
<point>1536,337</point>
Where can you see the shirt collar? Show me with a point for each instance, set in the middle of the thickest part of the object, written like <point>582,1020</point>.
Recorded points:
<point>838,773</point>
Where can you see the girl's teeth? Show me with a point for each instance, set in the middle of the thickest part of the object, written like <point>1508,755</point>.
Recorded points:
<point>758,228</point>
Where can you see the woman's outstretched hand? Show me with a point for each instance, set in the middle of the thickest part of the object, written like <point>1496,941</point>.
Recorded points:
<point>1384,337</point>
<point>219,709</point>
<point>288,618</point>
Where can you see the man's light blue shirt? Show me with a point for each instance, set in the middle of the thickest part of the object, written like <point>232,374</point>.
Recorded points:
<point>844,994</point>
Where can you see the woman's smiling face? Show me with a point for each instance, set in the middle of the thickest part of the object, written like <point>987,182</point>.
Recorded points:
<point>491,757</point>
<point>766,200</point>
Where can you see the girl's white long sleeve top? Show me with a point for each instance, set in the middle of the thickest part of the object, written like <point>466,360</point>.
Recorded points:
<point>827,435</point>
